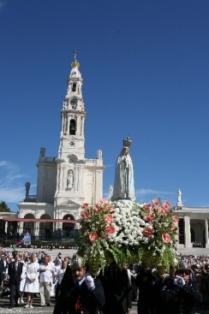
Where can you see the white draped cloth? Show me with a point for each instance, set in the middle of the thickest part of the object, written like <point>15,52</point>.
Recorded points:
<point>124,179</point>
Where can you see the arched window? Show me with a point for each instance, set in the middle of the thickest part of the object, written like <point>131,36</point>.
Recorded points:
<point>29,226</point>
<point>74,87</point>
<point>72,127</point>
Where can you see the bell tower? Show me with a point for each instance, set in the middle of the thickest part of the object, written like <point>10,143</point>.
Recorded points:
<point>71,153</point>
<point>73,116</point>
<point>68,180</point>
<point>78,179</point>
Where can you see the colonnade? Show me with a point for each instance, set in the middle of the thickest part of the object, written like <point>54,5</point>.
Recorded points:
<point>187,232</point>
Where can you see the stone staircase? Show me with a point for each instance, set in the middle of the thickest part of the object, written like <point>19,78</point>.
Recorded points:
<point>194,251</point>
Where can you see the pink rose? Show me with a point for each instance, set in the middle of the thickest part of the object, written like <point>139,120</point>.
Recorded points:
<point>109,229</point>
<point>148,231</point>
<point>92,236</point>
<point>175,220</point>
<point>166,238</point>
<point>84,215</point>
<point>155,202</point>
<point>166,205</point>
<point>108,218</point>
<point>147,208</point>
<point>85,205</point>
<point>95,209</point>
<point>149,217</point>
<point>162,211</point>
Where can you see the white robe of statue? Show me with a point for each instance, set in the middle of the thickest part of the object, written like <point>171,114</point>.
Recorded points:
<point>124,177</point>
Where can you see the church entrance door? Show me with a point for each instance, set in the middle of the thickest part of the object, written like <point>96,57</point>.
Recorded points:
<point>67,227</point>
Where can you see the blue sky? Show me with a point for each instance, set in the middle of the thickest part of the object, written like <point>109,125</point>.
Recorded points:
<point>145,65</point>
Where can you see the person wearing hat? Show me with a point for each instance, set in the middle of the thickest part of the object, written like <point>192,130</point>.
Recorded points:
<point>79,294</point>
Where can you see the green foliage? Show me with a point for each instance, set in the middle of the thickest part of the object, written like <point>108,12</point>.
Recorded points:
<point>4,207</point>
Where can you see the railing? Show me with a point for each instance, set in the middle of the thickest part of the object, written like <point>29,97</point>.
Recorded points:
<point>41,244</point>
<point>54,240</point>
<point>30,198</point>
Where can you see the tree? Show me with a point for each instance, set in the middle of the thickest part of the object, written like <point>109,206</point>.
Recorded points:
<point>4,207</point>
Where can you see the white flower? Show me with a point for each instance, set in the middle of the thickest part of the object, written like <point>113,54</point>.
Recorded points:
<point>128,225</point>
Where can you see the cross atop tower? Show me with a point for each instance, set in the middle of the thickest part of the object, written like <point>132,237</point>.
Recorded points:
<point>75,63</point>
<point>75,53</point>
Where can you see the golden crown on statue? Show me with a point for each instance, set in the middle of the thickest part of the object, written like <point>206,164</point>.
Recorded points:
<point>127,142</point>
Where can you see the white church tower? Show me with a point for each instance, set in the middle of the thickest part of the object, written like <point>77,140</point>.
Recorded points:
<point>73,115</point>
<point>78,179</point>
<point>68,180</point>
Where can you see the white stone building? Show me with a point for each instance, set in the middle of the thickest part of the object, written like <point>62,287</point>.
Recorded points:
<point>192,228</point>
<point>68,180</point>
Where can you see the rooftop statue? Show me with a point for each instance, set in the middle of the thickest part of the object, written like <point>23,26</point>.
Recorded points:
<point>179,199</point>
<point>124,175</point>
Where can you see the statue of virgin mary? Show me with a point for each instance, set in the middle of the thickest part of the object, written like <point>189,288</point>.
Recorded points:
<point>124,175</point>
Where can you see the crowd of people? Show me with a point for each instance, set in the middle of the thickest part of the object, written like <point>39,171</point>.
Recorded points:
<point>29,274</point>
<point>76,289</point>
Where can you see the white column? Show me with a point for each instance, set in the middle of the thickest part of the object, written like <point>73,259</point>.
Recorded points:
<point>206,234</point>
<point>37,229</point>
<point>187,228</point>
<point>56,216</point>
<point>6,227</point>
<point>20,228</point>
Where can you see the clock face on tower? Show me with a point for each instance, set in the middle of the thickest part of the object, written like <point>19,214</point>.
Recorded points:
<point>74,103</point>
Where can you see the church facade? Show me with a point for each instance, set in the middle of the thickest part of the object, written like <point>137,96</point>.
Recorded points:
<point>66,181</point>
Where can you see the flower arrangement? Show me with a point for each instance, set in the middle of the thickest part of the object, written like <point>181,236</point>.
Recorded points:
<point>159,234</point>
<point>129,232</point>
<point>96,226</point>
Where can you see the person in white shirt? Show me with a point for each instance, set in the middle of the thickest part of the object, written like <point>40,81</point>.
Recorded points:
<point>56,269</point>
<point>46,280</point>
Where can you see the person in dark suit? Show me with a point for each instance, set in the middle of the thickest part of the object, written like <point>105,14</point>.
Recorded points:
<point>79,292</point>
<point>127,284</point>
<point>14,272</point>
<point>3,267</point>
<point>149,284</point>
<point>64,292</point>
<point>115,284</point>
<point>190,293</point>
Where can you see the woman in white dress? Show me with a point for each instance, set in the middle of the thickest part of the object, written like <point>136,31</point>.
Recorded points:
<point>32,280</point>
<point>22,280</point>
